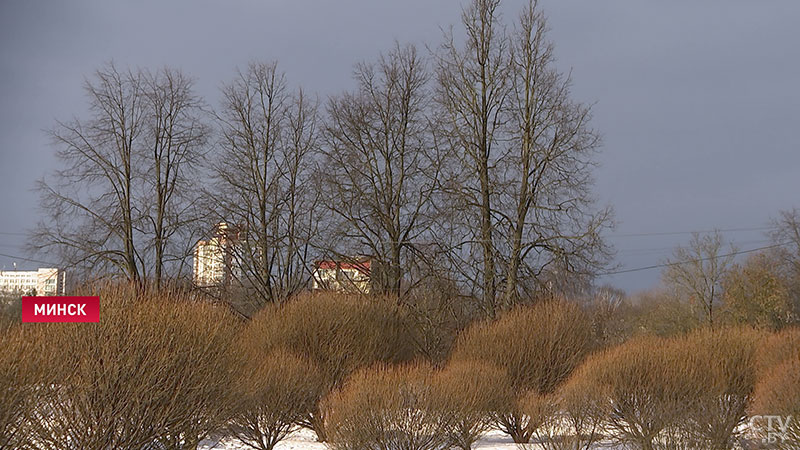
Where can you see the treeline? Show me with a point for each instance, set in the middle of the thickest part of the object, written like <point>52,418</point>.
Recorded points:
<point>464,169</point>
<point>164,371</point>
<point>711,283</point>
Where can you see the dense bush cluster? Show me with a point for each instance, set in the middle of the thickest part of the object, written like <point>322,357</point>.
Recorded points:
<point>163,370</point>
<point>154,371</point>
<point>338,335</point>
<point>537,346</point>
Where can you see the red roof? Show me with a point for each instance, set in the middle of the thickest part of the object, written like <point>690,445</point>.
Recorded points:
<point>361,266</point>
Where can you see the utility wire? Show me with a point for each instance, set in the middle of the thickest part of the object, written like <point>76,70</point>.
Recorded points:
<point>678,263</point>
<point>27,259</point>
<point>674,233</point>
<point>639,251</point>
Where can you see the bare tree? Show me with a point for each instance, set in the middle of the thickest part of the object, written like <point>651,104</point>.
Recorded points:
<point>787,236</point>
<point>92,215</point>
<point>472,90</point>
<point>122,202</point>
<point>173,146</point>
<point>698,271</point>
<point>524,153</point>
<point>263,178</point>
<point>380,168</point>
<point>787,232</point>
<point>548,207</point>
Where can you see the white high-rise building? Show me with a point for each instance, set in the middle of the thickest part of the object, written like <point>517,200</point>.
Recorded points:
<point>214,259</point>
<point>46,281</point>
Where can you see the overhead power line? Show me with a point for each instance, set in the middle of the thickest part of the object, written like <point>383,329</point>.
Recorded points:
<point>678,263</point>
<point>675,233</point>
<point>26,259</point>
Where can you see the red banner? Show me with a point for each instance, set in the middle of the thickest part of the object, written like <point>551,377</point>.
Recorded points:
<point>60,309</point>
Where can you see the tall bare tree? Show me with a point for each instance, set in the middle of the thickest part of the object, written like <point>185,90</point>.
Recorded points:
<point>381,166</point>
<point>697,272</point>
<point>173,145</point>
<point>548,207</point>
<point>90,205</point>
<point>524,152</point>
<point>121,202</point>
<point>473,85</point>
<point>268,141</point>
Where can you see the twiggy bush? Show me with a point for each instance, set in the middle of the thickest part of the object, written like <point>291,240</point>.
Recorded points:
<point>691,391</point>
<point>339,334</point>
<point>539,347</point>
<point>23,373</point>
<point>10,311</point>
<point>648,383</point>
<point>156,369</point>
<point>778,347</point>
<point>437,315</point>
<point>469,392</point>
<point>274,393</point>
<point>724,380</point>
<point>778,394</point>
<point>573,417</point>
<point>387,408</point>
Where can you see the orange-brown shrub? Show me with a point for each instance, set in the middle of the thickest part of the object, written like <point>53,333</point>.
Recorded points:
<point>775,348</point>
<point>725,379</point>
<point>155,369</point>
<point>338,333</point>
<point>469,392</point>
<point>572,418</point>
<point>778,394</point>
<point>10,311</point>
<point>539,412</point>
<point>539,346</point>
<point>648,384</point>
<point>689,391</point>
<point>23,372</point>
<point>274,393</point>
<point>387,407</point>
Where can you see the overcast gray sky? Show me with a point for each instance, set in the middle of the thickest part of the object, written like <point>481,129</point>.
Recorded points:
<point>698,101</point>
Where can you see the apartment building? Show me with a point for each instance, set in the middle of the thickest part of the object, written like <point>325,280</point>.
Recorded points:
<point>215,263</point>
<point>44,281</point>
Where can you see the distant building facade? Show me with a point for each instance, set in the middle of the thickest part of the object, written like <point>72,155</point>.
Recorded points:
<point>342,276</point>
<point>215,263</point>
<point>45,281</point>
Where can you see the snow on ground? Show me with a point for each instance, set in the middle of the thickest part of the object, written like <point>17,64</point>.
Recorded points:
<point>302,439</point>
<point>306,440</point>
